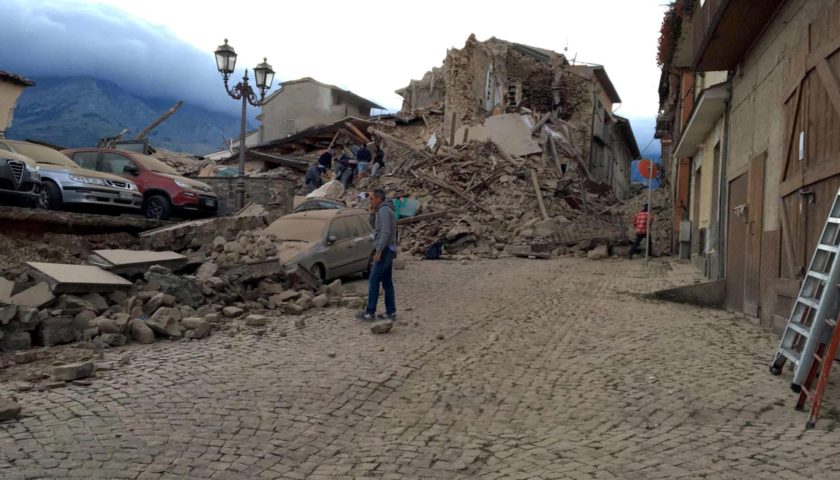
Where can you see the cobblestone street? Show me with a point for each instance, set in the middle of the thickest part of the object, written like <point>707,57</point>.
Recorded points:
<point>496,369</point>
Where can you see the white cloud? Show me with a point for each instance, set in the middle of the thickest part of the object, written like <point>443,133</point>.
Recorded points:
<point>375,47</point>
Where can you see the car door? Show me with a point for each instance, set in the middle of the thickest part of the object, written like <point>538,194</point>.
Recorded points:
<point>341,254</point>
<point>115,163</point>
<point>88,160</point>
<point>364,242</point>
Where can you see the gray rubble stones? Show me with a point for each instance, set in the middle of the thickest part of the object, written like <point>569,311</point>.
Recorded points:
<point>7,313</point>
<point>97,301</point>
<point>196,327</point>
<point>599,253</point>
<point>166,322</point>
<point>24,357</point>
<point>219,243</point>
<point>184,289</point>
<point>113,339</point>
<point>58,330</point>
<point>256,320</point>
<point>9,409</point>
<point>141,333</point>
<point>292,309</point>
<point>72,371</point>
<point>14,341</point>
<point>232,312</point>
<point>381,328</point>
<point>72,305</point>
<point>206,270</point>
<point>321,301</point>
<point>335,289</point>
<point>6,288</point>
<point>212,317</point>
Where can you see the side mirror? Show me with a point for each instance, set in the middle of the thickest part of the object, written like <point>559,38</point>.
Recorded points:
<point>331,239</point>
<point>131,170</point>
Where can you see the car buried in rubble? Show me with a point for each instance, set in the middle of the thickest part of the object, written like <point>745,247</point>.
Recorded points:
<point>330,243</point>
<point>20,180</point>
<point>65,184</point>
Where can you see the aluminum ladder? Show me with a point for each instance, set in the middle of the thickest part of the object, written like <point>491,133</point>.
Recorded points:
<point>817,302</point>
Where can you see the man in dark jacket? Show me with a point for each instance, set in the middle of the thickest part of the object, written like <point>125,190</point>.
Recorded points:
<point>385,244</point>
<point>314,177</point>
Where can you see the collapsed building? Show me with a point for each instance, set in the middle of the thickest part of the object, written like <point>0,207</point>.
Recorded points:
<point>494,77</point>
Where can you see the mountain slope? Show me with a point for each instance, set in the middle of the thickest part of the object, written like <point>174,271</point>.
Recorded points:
<point>78,111</point>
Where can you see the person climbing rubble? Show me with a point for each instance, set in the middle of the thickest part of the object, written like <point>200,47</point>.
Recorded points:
<point>642,221</point>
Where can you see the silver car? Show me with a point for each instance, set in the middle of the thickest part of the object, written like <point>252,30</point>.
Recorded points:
<point>329,243</point>
<point>65,183</point>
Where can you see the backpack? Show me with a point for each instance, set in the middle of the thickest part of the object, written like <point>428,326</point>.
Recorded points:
<point>434,251</point>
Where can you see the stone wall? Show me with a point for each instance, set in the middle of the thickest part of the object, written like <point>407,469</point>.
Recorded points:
<point>275,194</point>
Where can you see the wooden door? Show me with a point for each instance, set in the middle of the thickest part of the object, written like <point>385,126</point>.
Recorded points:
<point>755,226</point>
<point>736,240</point>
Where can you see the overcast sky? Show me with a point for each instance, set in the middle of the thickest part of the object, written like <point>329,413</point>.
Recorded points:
<point>370,47</point>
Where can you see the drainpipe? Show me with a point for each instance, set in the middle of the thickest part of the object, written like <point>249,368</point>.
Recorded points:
<point>724,194</point>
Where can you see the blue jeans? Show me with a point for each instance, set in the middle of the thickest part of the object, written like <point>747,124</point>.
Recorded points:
<point>382,273</point>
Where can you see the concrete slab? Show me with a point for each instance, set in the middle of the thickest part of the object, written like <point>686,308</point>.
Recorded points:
<point>34,297</point>
<point>129,262</point>
<point>6,288</point>
<point>63,278</point>
<point>511,131</point>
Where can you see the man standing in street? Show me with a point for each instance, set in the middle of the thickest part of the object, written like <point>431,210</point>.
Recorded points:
<point>642,221</point>
<point>385,244</point>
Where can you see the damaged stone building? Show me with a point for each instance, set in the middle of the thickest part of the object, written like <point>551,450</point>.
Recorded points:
<point>494,77</point>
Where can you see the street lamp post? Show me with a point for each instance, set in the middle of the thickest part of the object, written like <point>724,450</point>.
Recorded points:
<point>263,75</point>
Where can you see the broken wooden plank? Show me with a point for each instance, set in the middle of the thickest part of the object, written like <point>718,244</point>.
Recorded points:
<point>540,124</point>
<point>536,182</point>
<point>389,138</point>
<point>357,132</point>
<point>452,189</point>
<point>427,216</point>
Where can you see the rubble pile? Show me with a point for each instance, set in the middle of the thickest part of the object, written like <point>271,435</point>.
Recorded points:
<point>55,248</point>
<point>663,214</point>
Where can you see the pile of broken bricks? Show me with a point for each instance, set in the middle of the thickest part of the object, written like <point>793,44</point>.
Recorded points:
<point>127,296</point>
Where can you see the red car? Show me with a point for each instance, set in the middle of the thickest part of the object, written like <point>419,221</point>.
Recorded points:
<point>165,191</point>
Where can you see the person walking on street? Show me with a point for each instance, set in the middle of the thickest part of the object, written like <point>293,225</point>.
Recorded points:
<point>642,221</point>
<point>385,244</point>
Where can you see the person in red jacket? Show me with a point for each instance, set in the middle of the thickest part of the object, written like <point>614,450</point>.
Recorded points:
<point>641,222</point>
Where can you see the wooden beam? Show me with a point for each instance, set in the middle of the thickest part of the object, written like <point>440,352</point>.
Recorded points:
<point>396,141</point>
<point>552,151</point>
<point>357,132</point>
<point>536,183</point>
<point>452,189</point>
<point>792,133</point>
<point>427,216</point>
<point>829,80</point>
<point>162,119</point>
<point>540,124</point>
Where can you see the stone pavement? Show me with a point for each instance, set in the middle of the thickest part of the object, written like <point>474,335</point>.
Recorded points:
<point>496,369</point>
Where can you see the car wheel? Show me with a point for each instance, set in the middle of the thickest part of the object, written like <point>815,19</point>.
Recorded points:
<point>42,202</point>
<point>50,196</point>
<point>319,271</point>
<point>157,207</point>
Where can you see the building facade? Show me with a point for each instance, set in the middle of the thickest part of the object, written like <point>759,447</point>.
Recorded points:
<point>779,168</point>
<point>304,103</point>
<point>11,86</point>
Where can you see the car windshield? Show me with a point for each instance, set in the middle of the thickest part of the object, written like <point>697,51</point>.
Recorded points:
<point>298,229</point>
<point>42,154</point>
<point>154,164</point>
